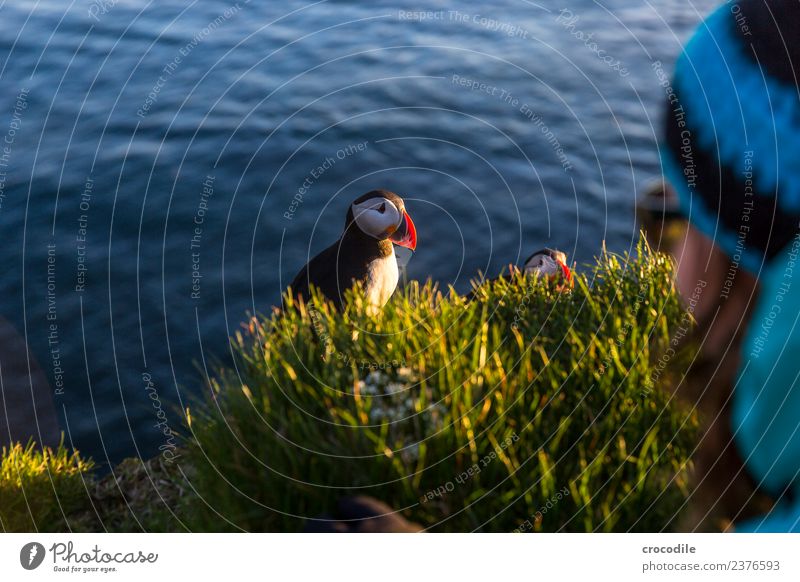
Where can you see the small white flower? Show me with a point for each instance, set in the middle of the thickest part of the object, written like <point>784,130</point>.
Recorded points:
<point>436,414</point>
<point>435,409</point>
<point>375,377</point>
<point>410,454</point>
<point>395,387</point>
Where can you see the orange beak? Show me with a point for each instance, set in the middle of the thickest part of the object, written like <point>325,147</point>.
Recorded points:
<point>406,234</point>
<point>567,273</point>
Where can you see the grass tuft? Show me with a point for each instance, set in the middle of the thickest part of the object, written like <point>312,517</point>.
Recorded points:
<point>40,488</point>
<point>527,408</point>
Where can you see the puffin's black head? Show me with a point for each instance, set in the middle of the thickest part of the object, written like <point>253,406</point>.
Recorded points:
<point>549,262</point>
<point>382,215</point>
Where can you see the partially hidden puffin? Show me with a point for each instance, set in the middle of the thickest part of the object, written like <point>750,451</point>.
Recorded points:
<point>364,253</point>
<point>547,262</point>
<point>551,263</point>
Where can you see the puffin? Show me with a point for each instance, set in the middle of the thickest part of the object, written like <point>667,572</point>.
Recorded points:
<point>363,254</point>
<point>550,263</point>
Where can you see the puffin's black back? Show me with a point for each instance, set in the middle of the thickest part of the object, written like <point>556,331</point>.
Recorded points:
<point>334,269</point>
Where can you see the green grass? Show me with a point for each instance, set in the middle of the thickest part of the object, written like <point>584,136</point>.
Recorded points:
<point>49,490</point>
<point>41,489</point>
<point>527,407</point>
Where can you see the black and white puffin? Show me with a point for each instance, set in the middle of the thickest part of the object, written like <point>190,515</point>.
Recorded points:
<point>364,253</point>
<point>550,263</point>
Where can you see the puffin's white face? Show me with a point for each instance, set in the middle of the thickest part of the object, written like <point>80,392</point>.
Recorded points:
<point>542,264</point>
<point>378,217</point>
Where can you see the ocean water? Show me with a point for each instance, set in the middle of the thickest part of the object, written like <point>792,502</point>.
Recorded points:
<point>167,167</point>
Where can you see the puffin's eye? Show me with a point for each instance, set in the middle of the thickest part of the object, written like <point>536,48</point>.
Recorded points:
<point>382,208</point>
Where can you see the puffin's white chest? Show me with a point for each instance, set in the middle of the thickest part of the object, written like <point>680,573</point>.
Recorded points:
<point>382,280</point>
